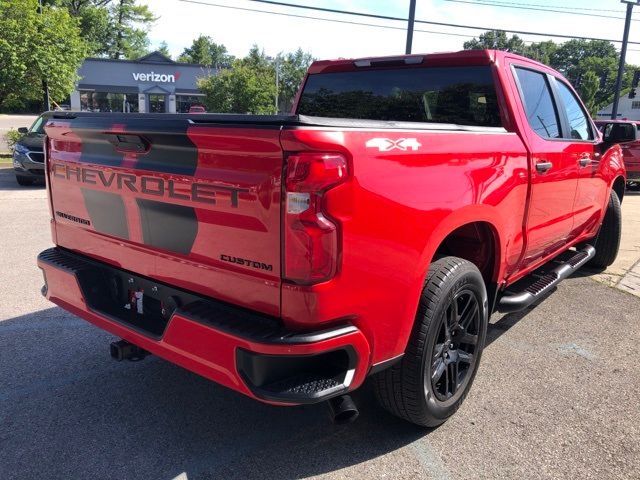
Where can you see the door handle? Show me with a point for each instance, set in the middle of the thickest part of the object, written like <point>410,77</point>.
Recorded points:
<point>585,160</point>
<point>543,167</point>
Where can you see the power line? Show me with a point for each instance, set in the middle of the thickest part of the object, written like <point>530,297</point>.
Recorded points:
<point>385,17</point>
<point>334,20</point>
<point>554,6</point>
<point>524,32</point>
<point>330,10</point>
<point>538,9</point>
<point>442,24</point>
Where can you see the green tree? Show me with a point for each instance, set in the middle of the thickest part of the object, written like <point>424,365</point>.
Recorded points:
<point>569,56</point>
<point>588,90</point>
<point>163,48</point>
<point>541,51</point>
<point>497,40</point>
<point>128,25</point>
<point>605,69</point>
<point>205,51</point>
<point>244,88</point>
<point>249,86</point>
<point>256,58</point>
<point>94,19</point>
<point>114,28</point>
<point>291,70</point>
<point>36,47</point>
<point>590,65</point>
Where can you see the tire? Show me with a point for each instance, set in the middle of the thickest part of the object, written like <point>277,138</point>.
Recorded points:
<point>406,389</point>
<point>24,181</point>
<point>608,240</point>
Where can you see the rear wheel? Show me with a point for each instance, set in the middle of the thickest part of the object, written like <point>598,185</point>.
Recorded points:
<point>608,240</point>
<point>443,354</point>
<point>24,181</point>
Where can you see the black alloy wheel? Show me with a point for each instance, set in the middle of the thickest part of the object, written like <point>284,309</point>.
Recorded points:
<point>454,346</point>
<point>443,353</point>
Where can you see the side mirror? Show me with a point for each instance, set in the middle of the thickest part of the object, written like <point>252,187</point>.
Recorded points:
<point>23,130</point>
<point>620,133</point>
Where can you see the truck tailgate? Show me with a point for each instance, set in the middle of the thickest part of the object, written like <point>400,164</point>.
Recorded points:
<point>192,204</point>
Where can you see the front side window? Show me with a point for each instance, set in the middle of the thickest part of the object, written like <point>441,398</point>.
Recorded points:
<point>38,125</point>
<point>538,103</point>
<point>579,128</point>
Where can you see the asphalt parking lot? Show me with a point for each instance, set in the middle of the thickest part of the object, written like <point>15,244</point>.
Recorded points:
<point>556,395</point>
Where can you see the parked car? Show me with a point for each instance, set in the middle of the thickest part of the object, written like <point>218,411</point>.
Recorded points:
<point>371,233</point>
<point>28,152</point>
<point>197,109</point>
<point>625,130</point>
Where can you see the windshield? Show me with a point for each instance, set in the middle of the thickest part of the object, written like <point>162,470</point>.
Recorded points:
<point>459,95</point>
<point>38,125</point>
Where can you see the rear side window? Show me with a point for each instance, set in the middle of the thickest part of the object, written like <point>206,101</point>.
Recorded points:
<point>459,95</point>
<point>536,96</point>
<point>578,122</point>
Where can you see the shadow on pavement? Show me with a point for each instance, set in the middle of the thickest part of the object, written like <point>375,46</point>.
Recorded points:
<point>68,411</point>
<point>501,326</point>
<point>8,180</point>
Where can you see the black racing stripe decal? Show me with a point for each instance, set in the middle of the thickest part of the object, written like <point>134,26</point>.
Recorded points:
<point>171,151</point>
<point>168,226</point>
<point>98,150</point>
<point>107,212</point>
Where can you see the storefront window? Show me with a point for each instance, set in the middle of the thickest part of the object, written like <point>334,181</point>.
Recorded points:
<point>157,103</point>
<point>184,102</point>
<point>108,102</point>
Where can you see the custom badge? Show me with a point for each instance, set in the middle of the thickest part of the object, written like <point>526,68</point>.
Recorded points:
<point>387,144</point>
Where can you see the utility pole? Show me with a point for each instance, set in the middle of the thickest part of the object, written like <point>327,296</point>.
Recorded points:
<point>276,67</point>
<point>45,85</point>
<point>412,19</point>
<point>277,82</point>
<point>623,54</point>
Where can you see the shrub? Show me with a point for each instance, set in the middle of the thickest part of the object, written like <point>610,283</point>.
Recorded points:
<point>11,137</point>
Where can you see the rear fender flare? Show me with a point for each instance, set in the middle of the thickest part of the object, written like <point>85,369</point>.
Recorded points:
<point>611,164</point>
<point>458,218</point>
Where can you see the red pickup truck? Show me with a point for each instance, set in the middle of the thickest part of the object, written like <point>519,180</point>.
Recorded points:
<point>371,233</point>
<point>630,144</point>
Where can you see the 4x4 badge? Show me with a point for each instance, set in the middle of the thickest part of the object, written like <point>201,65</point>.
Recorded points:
<point>386,144</point>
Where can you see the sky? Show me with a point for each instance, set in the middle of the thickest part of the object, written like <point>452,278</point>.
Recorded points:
<point>180,22</point>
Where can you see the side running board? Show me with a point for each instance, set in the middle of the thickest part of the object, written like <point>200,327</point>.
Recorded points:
<point>513,302</point>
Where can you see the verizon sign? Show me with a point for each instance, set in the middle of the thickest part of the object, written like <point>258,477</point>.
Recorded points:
<point>156,77</point>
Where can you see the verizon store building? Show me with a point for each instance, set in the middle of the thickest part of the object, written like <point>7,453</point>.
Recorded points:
<point>153,83</point>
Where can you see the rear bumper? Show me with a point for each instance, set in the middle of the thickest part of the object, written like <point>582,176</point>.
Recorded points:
<point>248,352</point>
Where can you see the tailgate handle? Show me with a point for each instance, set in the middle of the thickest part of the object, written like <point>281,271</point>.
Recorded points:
<point>127,142</point>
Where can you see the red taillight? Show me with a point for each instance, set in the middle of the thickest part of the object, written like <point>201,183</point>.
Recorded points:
<point>310,235</point>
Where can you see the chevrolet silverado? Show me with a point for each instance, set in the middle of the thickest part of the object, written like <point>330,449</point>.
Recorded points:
<point>370,233</point>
